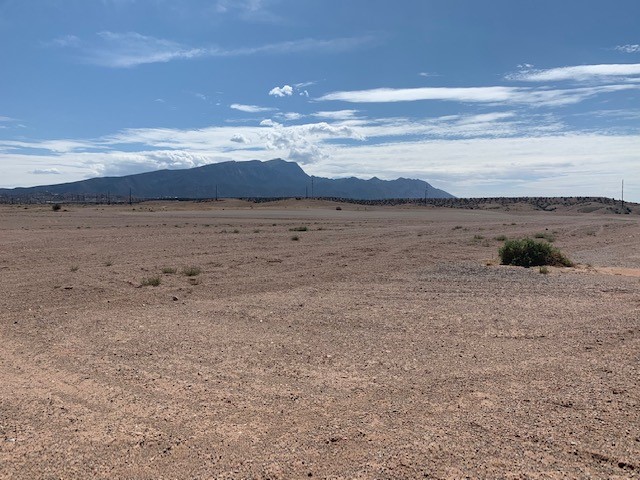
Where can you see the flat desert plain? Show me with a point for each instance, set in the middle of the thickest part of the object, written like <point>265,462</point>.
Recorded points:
<point>311,342</point>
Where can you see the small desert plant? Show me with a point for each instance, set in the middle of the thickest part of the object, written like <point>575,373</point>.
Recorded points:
<point>257,230</point>
<point>457,227</point>
<point>338,208</point>
<point>55,207</point>
<point>478,237</point>
<point>500,238</point>
<point>299,229</point>
<point>236,231</point>
<point>169,270</point>
<point>546,236</point>
<point>108,263</point>
<point>295,238</point>
<point>191,271</point>
<point>150,281</point>
<point>544,270</point>
<point>529,253</point>
<point>74,268</point>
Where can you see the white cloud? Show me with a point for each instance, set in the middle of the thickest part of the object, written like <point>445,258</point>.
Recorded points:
<point>239,138</point>
<point>267,122</point>
<point>635,48</point>
<point>285,91</point>
<point>250,108</point>
<point>337,114</point>
<point>6,119</point>
<point>561,165</point>
<point>489,95</point>
<point>577,73</point>
<point>304,142</point>
<point>46,171</point>
<point>495,153</point>
<point>291,116</point>
<point>159,100</point>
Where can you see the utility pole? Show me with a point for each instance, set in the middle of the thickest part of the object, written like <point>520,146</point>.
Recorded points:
<point>622,197</point>
<point>216,192</point>
<point>130,201</point>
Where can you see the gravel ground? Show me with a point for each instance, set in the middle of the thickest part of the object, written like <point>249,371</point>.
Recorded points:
<point>382,343</point>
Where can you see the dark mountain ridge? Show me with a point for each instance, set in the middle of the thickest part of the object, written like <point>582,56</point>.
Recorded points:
<point>273,178</point>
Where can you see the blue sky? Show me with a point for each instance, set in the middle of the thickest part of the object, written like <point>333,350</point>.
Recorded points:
<point>480,98</point>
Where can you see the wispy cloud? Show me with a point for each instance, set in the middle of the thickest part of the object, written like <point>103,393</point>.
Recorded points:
<point>131,49</point>
<point>519,166</point>
<point>488,95</point>
<point>511,152</point>
<point>337,114</point>
<point>250,10</point>
<point>305,84</point>
<point>580,73</point>
<point>122,50</point>
<point>63,41</point>
<point>291,116</point>
<point>629,48</point>
<point>250,108</point>
<point>557,164</point>
<point>6,119</point>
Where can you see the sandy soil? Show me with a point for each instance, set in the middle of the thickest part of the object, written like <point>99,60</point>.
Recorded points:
<point>383,343</point>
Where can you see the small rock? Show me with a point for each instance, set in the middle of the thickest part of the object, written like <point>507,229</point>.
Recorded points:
<point>175,299</point>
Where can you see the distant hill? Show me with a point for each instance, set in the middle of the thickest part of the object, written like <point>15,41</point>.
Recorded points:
<point>273,178</point>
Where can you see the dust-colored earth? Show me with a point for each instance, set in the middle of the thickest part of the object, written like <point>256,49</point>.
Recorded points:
<point>382,343</point>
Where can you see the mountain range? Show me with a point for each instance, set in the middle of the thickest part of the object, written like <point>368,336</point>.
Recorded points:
<point>273,178</point>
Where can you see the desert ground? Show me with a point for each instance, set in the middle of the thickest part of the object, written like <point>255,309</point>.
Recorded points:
<point>367,342</point>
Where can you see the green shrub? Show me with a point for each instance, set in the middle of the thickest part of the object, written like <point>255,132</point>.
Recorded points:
<point>168,270</point>
<point>191,271</point>
<point>500,238</point>
<point>295,238</point>
<point>529,253</point>
<point>546,236</point>
<point>544,270</point>
<point>55,207</point>
<point>150,282</point>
